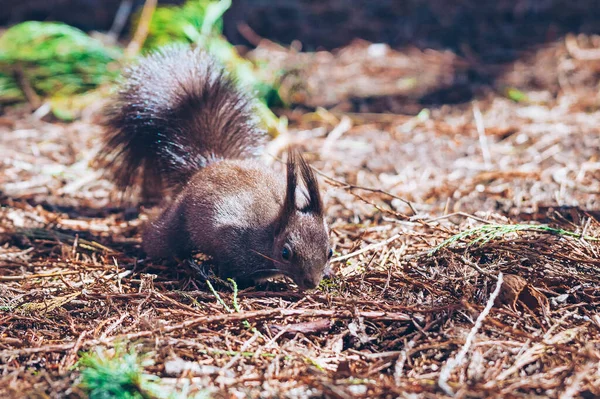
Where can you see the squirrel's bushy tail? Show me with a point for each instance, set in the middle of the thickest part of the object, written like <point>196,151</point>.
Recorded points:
<point>177,111</point>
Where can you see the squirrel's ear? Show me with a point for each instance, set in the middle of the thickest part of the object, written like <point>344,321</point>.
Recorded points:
<point>289,203</point>
<point>315,203</point>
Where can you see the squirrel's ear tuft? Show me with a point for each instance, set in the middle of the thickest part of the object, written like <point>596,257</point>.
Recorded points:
<point>289,203</point>
<point>315,203</point>
<point>296,162</point>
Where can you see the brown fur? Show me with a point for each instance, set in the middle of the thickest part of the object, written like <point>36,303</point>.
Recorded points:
<point>197,138</point>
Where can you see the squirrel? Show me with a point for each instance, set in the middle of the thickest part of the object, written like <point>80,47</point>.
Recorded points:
<point>181,127</point>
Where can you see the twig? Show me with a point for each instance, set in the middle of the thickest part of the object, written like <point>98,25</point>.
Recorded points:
<point>399,365</point>
<point>485,148</point>
<point>120,20</point>
<point>70,358</point>
<point>249,34</point>
<point>476,267</point>
<point>586,226</point>
<point>142,29</point>
<point>32,98</point>
<point>337,132</point>
<point>349,186</point>
<point>116,324</point>
<point>366,249</point>
<point>243,349</point>
<point>463,214</point>
<point>39,275</point>
<point>573,389</point>
<point>452,363</point>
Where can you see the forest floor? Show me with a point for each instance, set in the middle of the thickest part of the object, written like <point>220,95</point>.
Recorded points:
<point>407,159</point>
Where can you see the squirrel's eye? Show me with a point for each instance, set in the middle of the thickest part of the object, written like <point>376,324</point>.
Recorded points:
<point>286,252</point>
<point>330,253</point>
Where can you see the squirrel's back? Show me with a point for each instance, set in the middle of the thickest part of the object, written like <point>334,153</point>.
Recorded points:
<point>177,111</point>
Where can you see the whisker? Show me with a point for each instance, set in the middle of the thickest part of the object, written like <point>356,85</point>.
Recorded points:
<point>265,256</point>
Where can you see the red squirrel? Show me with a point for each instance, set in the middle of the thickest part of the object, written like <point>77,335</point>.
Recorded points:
<point>180,126</point>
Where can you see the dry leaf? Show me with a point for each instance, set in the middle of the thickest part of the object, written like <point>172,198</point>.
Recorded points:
<point>516,289</point>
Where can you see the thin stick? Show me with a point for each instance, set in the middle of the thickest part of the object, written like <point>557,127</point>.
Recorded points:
<point>476,267</point>
<point>32,98</point>
<point>337,132</point>
<point>373,190</point>
<point>452,363</point>
<point>141,33</point>
<point>574,388</point>
<point>367,248</point>
<point>120,19</point>
<point>485,148</point>
<point>243,349</point>
<point>39,275</point>
<point>463,214</point>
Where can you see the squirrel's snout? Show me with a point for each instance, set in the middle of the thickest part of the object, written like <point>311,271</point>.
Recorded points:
<point>308,283</point>
<point>313,281</point>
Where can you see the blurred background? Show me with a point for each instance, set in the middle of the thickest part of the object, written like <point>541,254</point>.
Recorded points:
<point>473,43</point>
<point>501,25</point>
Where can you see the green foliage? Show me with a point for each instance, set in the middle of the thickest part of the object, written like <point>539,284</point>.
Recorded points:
<point>119,374</point>
<point>54,59</point>
<point>236,306</point>
<point>218,297</point>
<point>61,62</point>
<point>9,91</point>
<point>186,23</point>
<point>516,95</point>
<point>485,233</point>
